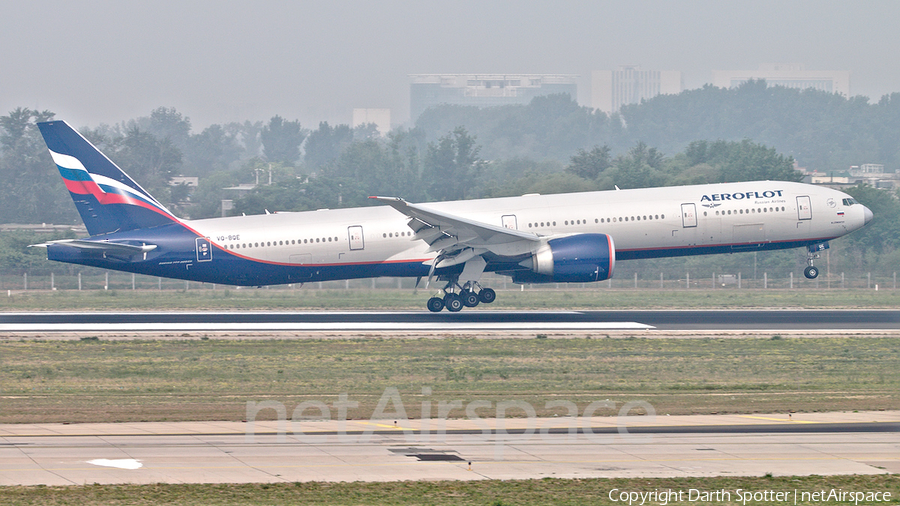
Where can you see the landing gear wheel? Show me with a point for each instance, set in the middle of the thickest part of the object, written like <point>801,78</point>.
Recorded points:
<point>469,298</point>
<point>453,302</point>
<point>435,304</point>
<point>487,295</point>
<point>811,272</point>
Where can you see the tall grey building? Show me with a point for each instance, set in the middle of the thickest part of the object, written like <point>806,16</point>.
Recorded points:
<point>611,89</point>
<point>484,90</point>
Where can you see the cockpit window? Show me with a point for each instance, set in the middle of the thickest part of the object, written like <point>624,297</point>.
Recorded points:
<point>850,201</point>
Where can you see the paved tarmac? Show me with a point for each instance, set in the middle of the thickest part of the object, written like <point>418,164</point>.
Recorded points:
<point>472,320</point>
<point>662,446</point>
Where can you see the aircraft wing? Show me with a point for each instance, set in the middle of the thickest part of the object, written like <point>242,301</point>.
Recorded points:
<point>118,248</point>
<point>448,233</point>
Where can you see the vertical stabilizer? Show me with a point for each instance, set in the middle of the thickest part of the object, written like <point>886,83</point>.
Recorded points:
<point>105,196</point>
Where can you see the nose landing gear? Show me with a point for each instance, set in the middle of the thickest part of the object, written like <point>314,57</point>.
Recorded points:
<point>812,253</point>
<point>811,272</point>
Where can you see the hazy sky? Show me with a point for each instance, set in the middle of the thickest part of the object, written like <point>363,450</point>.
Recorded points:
<point>217,61</point>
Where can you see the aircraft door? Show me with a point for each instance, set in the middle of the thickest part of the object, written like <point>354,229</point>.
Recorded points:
<point>689,215</point>
<point>355,233</point>
<point>204,249</point>
<point>509,221</point>
<point>804,208</point>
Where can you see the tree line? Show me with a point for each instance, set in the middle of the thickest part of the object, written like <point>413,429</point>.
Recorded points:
<point>550,145</point>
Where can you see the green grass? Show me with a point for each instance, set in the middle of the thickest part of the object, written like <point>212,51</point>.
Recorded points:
<point>210,379</point>
<point>487,492</point>
<point>545,297</point>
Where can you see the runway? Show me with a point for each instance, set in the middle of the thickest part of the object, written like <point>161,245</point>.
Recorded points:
<point>234,452</point>
<point>472,320</point>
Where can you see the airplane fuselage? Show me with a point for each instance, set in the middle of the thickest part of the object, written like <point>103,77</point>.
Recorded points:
<point>377,241</point>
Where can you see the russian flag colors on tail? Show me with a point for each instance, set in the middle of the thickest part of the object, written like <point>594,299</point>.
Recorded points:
<point>105,196</point>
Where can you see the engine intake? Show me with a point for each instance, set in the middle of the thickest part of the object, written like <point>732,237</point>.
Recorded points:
<point>575,259</point>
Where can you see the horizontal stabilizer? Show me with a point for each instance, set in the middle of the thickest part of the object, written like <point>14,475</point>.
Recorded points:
<point>119,248</point>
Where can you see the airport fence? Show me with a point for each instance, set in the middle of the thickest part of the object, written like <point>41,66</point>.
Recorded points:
<point>113,280</point>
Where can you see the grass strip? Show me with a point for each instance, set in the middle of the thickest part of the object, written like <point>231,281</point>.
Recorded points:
<point>545,297</point>
<point>478,492</point>
<point>93,380</point>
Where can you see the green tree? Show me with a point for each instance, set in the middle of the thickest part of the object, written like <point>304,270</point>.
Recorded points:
<point>640,168</point>
<point>28,175</point>
<point>165,123</point>
<point>883,234</point>
<point>281,140</point>
<point>549,127</point>
<point>451,166</point>
<point>150,161</point>
<point>740,161</point>
<point>325,144</point>
<point>212,150</point>
<point>590,164</point>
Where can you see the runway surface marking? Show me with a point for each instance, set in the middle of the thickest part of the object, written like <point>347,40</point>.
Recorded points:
<point>320,326</point>
<point>471,320</point>
<point>786,420</point>
<point>117,463</point>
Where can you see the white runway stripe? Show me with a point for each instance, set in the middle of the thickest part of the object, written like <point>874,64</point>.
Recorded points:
<point>320,326</point>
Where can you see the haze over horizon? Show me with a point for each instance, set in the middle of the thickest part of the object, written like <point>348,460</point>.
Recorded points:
<point>221,61</point>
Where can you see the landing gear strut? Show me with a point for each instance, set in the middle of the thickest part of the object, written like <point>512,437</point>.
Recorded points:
<point>812,253</point>
<point>467,296</point>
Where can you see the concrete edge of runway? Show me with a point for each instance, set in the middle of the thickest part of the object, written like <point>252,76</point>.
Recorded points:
<point>864,421</point>
<point>794,444</point>
<point>442,334</point>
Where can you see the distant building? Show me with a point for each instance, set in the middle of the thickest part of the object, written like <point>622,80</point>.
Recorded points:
<point>787,75</point>
<point>380,117</point>
<point>867,170</point>
<point>611,89</point>
<point>484,90</point>
<point>192,181</point>
<point>871,174</point>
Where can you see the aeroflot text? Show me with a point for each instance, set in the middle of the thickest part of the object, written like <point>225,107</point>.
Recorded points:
<point>718,197</point>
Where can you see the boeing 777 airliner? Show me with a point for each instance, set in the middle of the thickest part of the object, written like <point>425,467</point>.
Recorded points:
<point>573,237</point>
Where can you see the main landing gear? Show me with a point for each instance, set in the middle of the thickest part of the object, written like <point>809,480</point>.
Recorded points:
<point>466,297</point>
<point>812,253</point>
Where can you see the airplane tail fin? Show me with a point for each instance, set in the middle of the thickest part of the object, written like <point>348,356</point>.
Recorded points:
<point>105,196</point>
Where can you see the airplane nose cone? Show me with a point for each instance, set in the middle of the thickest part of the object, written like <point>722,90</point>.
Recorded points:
<point>868,214</point>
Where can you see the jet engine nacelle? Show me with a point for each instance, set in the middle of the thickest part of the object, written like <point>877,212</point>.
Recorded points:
<point>575,259</point>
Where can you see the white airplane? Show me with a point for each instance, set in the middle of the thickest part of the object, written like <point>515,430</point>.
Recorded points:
<point>573,237</point>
